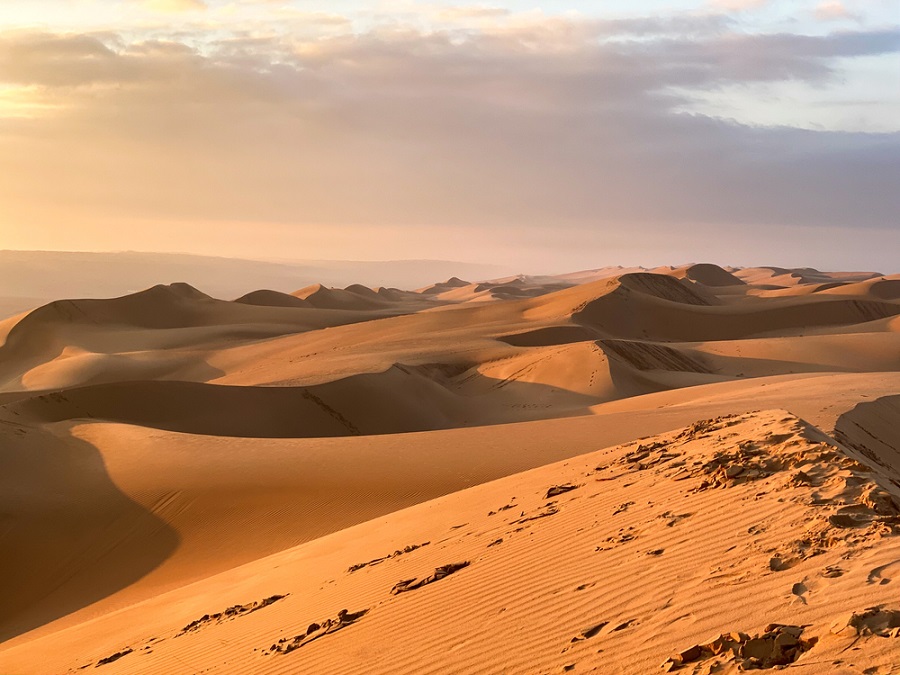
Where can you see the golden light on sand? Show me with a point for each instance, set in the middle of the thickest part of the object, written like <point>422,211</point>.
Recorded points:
<point>362,338</point>
<point>615,468</point>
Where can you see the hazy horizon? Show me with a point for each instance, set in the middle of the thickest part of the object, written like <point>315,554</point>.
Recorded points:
<point>502,270</point>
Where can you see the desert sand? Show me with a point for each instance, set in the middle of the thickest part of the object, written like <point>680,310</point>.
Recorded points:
<point>686,469</point>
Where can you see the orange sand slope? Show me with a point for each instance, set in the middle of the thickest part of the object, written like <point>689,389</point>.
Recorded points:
<point>168,455</point>
<point>757,527</point>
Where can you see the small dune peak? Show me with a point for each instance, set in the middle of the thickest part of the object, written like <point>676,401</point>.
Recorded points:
<point>664,287</point>
<point>390,294</point>
<point>354,298</point>
<point>710,275</point>
<point>180,289</point>
<point>270,298</point>
<point>307,291</point>
<point>359,289</point>
<point>441,286</point>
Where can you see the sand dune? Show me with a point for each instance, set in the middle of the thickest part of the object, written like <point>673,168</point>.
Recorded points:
<point>162,332</point>
<point>785,277</point>
<point>641,308</point>
<point>881,288</point>
<point>267,298</point>
<point>441,286</point>
<point>335,298</point>
<point>663,521</point>
<point>187,480</point>
<point>708,275</point>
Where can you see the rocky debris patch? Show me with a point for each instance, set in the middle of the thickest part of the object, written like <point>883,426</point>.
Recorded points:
<point>315,631</point>
<point>557,490</point>
<point>810,462</point>
<point>874,508</point>
<point>647,456</point>
<point>549,509</point>
<point>779,645</point>
<point>230,613</point>
<point>868,513</point>
<point>704,428</point>
<point>672,519</point>
<point>744,464</point>
<point>623,536</point>
<point>876,621</point>
<point>395,554</point>
<point>438,574</point>
<point>505,507</point>
<point>818,538</point>
<point>114,657</point>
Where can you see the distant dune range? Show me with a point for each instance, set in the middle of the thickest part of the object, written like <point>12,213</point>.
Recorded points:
<point>156,440</point>
<point>31,278</point>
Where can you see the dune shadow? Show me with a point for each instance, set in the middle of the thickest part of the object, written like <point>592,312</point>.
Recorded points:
<point>638,316</point>
<point>549,336</point>
<point>872,428</point>
<point>399,400</point>
<point>71,537</point>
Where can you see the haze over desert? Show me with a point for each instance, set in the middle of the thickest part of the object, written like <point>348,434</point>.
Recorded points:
<point>449,337</point>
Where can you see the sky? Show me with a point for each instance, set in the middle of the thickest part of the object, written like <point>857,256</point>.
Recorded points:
<point>543,136</point>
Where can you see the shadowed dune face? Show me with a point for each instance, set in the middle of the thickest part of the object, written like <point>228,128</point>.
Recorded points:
<point>885,288</point>
<point>545,337</point>
<point>710,275</point>
<point>665,287</point>
<point>642,311</point>
<point>399,400</point>
<point>71,536</point>
<point>267,298</point>
<point>872,428</point>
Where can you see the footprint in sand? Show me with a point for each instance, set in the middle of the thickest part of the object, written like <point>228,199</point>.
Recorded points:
<point>831,572</point>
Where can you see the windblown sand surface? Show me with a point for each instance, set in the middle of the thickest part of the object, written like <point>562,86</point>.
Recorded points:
<point>687,469</point>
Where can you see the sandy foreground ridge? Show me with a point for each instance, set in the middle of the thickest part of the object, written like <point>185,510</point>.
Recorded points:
<point>691,469</point>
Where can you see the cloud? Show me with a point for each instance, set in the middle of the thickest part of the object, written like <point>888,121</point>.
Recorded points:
<point>175,5</point>
<point>512,131</point>
<point>740,5</point>
<point>471,12</point>
<point>835,10</point>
